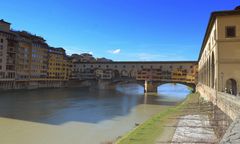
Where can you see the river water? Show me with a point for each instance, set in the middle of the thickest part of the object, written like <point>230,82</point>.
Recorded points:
<point>80,115</point>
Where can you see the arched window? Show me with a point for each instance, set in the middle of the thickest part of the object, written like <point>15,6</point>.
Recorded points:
<point>231,86</point>
<point>213,70</point>
<point>124,73</point>
<point>209,73</point>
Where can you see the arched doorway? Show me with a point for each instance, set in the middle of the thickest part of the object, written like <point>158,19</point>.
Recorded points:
<point>231,85</point>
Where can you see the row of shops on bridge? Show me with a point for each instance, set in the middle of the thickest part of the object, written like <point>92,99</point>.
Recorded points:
<point>177,75</point>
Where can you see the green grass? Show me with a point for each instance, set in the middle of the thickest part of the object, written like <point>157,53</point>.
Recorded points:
<point>150,130</point>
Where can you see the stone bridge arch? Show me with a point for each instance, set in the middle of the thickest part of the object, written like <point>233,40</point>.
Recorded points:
<point>191,85</point>
<point>124,73</point>
<point>151,86</point>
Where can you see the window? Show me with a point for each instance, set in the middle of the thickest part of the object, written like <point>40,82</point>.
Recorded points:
<point>1,40</point>
<point>230,31</point>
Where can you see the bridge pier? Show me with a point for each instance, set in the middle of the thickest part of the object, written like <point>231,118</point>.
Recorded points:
<point>150,87</point>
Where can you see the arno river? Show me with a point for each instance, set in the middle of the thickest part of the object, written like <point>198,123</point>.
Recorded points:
<point>79,115</point>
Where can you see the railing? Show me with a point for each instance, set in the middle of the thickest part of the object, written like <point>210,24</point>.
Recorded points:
<point>10,61</point>
<point>11,49</point>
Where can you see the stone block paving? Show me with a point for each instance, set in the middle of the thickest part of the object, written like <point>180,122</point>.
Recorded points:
<point>232,135</point>
<point>194,129</point>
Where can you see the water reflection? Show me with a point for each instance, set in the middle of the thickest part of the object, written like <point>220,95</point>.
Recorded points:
<point>57,106</point>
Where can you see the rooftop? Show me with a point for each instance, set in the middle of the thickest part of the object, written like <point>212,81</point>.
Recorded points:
<point>2,20</point>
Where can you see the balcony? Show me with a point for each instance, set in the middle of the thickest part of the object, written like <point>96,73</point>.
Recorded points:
<point>10,62</point>
<point>11,50</point>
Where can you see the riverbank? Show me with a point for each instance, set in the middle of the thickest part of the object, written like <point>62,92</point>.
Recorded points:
<point>192,121</point>
<point>161,127</point>
<point>74,115</point>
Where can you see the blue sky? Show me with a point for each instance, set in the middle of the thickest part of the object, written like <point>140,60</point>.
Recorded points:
<point>118,29</point>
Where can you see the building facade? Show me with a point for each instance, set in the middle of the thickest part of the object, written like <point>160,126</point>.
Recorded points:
<point>58,64</point>
<point>219,56</point>
<point>26,61</point>
<point>8,44</point>
<point>158,71</point>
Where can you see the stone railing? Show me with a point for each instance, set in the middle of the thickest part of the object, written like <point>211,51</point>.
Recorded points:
<point>230,105</point>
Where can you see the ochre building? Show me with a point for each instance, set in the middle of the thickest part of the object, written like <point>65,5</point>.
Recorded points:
<point>219,57</point>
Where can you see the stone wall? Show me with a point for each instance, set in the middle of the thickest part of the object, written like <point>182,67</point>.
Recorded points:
<point>229,104</point>
<point>207,93</point>
<point>32,85</point>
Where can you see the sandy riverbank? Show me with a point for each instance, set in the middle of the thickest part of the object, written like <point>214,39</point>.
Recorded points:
<point>13,131</point>
<point>191,122</point>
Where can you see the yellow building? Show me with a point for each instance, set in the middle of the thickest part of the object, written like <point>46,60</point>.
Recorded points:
<point>32,58</point>
<point>58,64</point>
<point>67,67</point>
<point>39,59</point>
<point>23,63</point>
<point>219,57</point>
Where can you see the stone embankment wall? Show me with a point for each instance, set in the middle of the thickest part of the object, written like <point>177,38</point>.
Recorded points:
<point>33,85</point>
<point>230,105</point>
<point>50,84</point>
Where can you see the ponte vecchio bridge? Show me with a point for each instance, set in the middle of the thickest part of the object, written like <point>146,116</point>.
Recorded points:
<point>148,74</point>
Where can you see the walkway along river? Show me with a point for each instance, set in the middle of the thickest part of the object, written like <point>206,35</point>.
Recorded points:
<point>74,115</point>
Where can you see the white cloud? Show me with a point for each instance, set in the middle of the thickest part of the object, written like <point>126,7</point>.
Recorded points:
<point>116,51</point>
<point>90,53</point>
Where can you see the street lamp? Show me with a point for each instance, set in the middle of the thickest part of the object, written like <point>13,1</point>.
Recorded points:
<point>222,75</point>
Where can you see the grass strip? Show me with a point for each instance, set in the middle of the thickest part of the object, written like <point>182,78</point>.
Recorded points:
<point>150,130</point>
